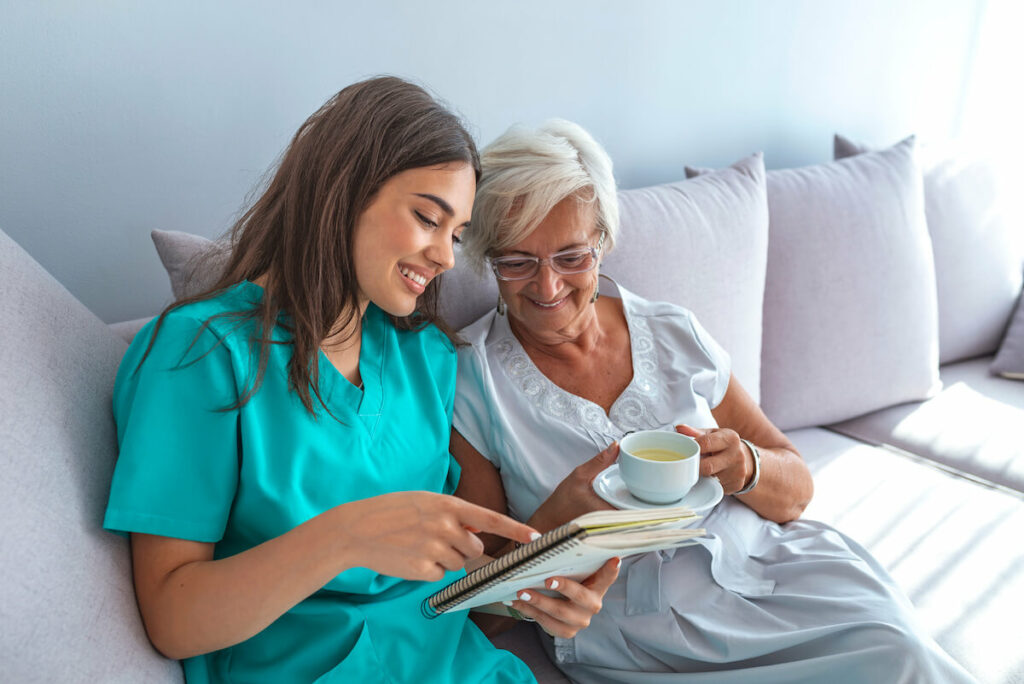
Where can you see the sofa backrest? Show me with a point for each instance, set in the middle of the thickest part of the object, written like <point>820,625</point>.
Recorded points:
<point>67,608</point>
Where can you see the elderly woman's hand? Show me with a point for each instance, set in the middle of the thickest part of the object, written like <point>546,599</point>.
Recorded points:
<point>575,495</point>
<point>566,615</point>
<point>722,455</point>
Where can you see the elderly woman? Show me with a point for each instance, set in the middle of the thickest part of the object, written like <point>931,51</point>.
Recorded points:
<point>567,364</point>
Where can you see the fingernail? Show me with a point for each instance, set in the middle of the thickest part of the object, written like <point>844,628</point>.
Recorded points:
<point>507,603</point>
<point>534,536</point>
<point>554,584</point>
<point>525,596</point>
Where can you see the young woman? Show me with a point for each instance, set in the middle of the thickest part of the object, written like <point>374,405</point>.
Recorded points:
<point>284,468</point>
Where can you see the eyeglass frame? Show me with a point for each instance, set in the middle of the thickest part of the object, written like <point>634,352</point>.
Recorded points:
<point>549,260</point>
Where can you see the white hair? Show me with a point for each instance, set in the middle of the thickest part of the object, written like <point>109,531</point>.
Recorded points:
<point>525,173</point>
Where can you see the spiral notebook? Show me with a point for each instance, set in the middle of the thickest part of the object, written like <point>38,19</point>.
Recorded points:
<point>575,550</point>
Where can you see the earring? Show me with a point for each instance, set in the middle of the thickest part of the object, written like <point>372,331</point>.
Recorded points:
<point>597,293</point>
<point>501,306</point>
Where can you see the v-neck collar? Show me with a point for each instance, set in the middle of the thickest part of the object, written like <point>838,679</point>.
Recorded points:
<point>340,395</point>
<point>366,402</point>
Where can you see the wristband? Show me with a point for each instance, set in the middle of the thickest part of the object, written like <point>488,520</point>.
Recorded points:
<point>757,468</point>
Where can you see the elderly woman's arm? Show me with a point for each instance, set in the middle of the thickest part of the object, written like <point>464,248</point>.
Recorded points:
<point>785,486</point>
<point>480,483</point>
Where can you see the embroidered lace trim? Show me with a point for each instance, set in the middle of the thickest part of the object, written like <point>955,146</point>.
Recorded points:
<point>634,409</point>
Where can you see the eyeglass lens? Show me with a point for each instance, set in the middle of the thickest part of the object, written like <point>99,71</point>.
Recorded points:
<point>567,262</point>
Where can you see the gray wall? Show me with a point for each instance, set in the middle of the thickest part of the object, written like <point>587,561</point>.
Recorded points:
<point>120,117</point>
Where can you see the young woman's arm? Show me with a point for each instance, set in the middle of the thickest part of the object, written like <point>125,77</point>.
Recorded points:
<point>192,604</point>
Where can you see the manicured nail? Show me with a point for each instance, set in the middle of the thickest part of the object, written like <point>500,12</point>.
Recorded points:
<point>534,536</point>
<point>507,603</point>
<point>525,596</point>
<point>554,584</point>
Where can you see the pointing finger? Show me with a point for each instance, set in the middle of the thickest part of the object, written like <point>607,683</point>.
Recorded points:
<point>486,520</point>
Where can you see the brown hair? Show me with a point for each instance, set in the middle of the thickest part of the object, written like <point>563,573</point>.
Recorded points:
<point>299,232</point>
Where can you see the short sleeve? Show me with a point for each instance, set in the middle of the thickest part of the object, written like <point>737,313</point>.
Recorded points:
<point>177,469</point>
<point>718,361</point>
<point>472,416</point>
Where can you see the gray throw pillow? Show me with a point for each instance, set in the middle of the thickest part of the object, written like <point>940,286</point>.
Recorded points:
<point>977,254</point>
<point>850,323</point>
<point>193,263</point>
<point>1009,361</point>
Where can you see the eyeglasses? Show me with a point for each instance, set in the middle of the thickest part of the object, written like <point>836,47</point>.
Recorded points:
<point>569,262</point>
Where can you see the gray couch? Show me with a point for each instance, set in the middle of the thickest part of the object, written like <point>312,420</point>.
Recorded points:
<point>928,476</point>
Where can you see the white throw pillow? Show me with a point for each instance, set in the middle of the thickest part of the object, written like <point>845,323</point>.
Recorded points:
<point>702,244</point>
<point>977,255</point>
<point>849,302</point>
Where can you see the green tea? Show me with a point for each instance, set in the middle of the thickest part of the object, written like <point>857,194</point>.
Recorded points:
<point>658,455</point>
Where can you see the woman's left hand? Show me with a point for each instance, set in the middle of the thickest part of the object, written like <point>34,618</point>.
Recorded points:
<point>566,615</point>
<point>723,455</point>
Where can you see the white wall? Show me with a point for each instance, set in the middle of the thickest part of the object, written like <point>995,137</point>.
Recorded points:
<point>120,117</point>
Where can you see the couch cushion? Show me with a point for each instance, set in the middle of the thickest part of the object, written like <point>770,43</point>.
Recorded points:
<point>952,545</point>
<point>849,300</point>
<point>69,611</point>
<point>703,244</point>
<point>977,252</point>
<point>974,425</point>
<point>1009,360</point>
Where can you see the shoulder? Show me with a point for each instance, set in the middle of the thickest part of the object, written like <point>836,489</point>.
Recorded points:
<point>478,333</point>
<point>427,347</point>
<point>197,328</point>
<point>477,339</point>
<point>657,313</point>
<point>670,325</point>
<point>429,339</point>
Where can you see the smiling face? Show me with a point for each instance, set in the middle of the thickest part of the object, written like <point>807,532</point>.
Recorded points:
<point>552,307</point>
<point>404,237</point>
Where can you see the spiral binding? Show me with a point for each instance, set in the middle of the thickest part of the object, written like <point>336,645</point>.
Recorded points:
<point>509,566</point>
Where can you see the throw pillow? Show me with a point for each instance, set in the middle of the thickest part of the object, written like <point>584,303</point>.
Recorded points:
<point>849,302</point>
<point>192,262</point>
<point>977,261</point>
<point>1009,361</point>
<point>702,244</point>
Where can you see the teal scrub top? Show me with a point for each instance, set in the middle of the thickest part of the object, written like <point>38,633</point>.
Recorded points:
<point>189,469</point>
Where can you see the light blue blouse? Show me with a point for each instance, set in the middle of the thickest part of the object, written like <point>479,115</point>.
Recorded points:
<point>753,602</point>
<point>190,469</point>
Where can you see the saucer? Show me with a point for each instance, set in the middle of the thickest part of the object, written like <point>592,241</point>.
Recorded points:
<point>701,498</point>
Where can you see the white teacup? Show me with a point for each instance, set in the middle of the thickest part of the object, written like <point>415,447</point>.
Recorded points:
<point>658,466</point>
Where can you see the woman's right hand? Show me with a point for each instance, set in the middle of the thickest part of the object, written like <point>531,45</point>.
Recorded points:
<point>419,535</point>
<point>575,495</point>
